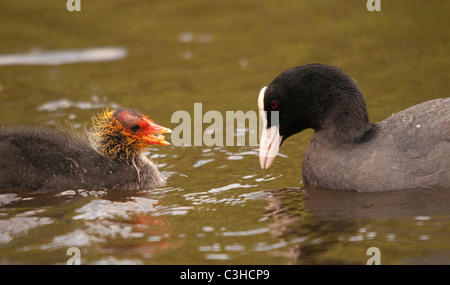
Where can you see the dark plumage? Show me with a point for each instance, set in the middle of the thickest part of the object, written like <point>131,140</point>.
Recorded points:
<point>411,149</point>
<point>46,159</point>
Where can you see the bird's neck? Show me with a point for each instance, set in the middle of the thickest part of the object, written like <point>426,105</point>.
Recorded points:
<point>109,140</point>
<point>347,121</point>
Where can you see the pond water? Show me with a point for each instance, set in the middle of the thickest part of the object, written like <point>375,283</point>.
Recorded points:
<point>58,68</point>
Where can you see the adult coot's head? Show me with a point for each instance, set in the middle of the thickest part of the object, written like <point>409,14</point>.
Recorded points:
<point>124,133</point>
<point>311,96</point>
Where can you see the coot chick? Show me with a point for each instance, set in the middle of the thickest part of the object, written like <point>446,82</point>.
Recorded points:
<point>410,149</point>
<point>112,158</point>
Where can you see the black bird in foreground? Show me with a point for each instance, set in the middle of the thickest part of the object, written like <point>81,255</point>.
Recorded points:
<point>112,158</point>
<point>408,150</point>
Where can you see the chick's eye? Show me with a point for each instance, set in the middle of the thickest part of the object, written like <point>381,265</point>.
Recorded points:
<point>274,105</point>
<point>135,128</point>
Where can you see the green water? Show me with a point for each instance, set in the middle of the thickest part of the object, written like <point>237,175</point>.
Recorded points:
<point>218,206</point>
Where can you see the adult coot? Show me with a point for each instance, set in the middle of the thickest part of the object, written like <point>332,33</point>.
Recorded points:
<point>411,149</point>
<point>46,159</point>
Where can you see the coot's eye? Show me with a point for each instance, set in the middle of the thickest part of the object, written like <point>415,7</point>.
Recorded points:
<point>274,105</point>
<point>134,128</point>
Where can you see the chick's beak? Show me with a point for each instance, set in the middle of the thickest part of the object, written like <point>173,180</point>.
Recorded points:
<point>153,133</point>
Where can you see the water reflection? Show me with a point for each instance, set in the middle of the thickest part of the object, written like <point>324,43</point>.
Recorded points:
<point>131,224</point>
<point>59,57</point>
<point>59,108</point>
<point>313,224</point>
<point>341,205</point>
<point>189,37</point>
<point>108,224</point>
<point>283,226</point>
<point>20,225</point>
<point>63,103</point>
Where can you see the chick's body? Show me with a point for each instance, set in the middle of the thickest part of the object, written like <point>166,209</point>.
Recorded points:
<point>46,159</point>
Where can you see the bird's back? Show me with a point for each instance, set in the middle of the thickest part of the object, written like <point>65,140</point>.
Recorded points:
<point>45,159</point>
<point>410,149</point>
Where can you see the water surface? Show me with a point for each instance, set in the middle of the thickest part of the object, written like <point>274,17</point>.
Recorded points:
<point>218,206</point>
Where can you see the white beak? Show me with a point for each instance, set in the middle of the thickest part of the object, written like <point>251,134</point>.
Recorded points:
<point>270,138</point>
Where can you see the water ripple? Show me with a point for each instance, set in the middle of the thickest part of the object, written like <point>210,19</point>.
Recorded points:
<point>61,104</point>
<point>247,232</point>
<point>105,209</point>
<point>59,57</point>
<point>230,186</point>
